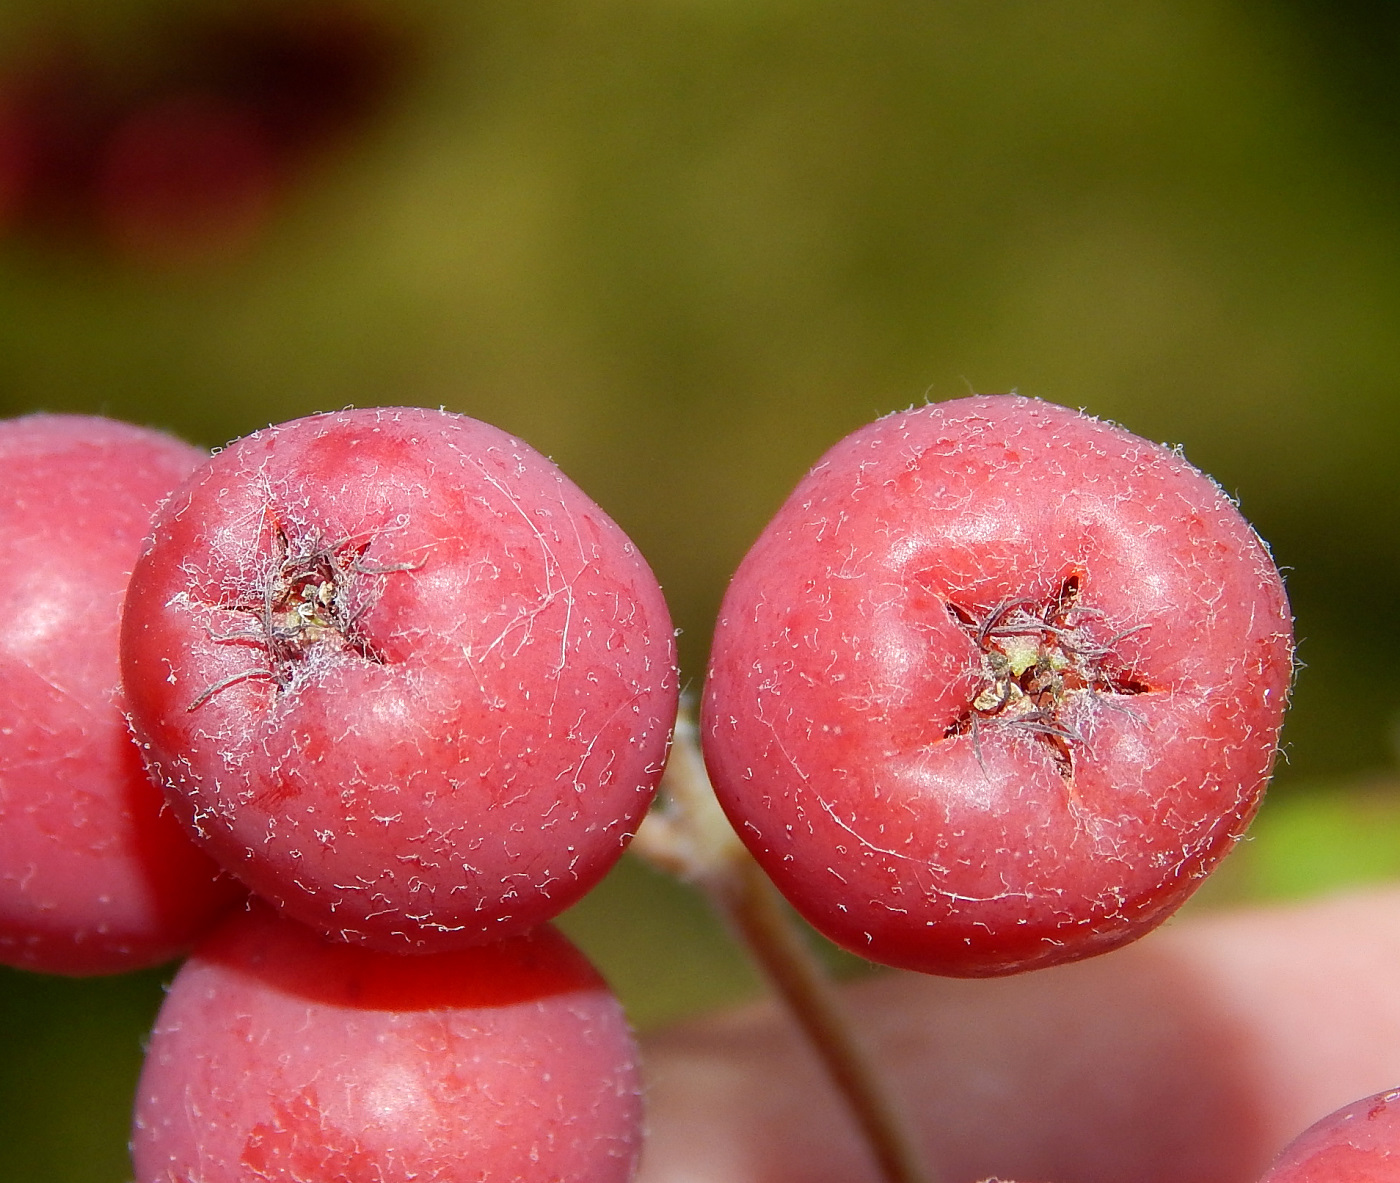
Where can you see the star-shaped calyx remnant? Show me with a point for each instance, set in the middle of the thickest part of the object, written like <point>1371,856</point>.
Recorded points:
<point>1037,654</point>
<point>310,598</point>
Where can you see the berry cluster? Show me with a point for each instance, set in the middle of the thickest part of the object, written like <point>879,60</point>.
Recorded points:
<point>400,677</point>
<point>996,688</point>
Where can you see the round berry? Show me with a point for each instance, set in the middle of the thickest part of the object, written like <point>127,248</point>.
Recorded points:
<point>997,687</point>
<point>96,876</point>
<point>1359,1143</point>
<point>400,675</point>
<point>283,1057</point>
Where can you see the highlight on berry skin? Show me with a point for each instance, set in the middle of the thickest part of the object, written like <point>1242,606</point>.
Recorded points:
<point>997,687</point>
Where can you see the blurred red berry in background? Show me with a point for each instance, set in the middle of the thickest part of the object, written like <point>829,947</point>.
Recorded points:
<point>181,156</point>
<point>184,178</point>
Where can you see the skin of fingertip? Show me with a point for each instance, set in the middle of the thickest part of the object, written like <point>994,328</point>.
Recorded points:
<point>280,1055</point>
<point>463,738</point>
<point>838,723</point>
<point>96,876</point>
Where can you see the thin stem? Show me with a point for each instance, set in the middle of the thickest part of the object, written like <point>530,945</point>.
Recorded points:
<point>687,835</point>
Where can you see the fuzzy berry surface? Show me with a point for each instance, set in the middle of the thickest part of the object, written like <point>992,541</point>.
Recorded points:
<point>400,675</point>
<point>1359,1143</point>
<point>96,876</point>
<point>997,687</point>
<point>282,1057</point>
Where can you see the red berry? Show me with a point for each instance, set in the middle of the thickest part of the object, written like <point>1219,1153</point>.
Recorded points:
<point>179,153</point>
<point>186,178</point>
<point>1359,1143</point>
<point>400,675</point>
<point>281,1057</point>
<point>95,875</point>
<point>995,689</point>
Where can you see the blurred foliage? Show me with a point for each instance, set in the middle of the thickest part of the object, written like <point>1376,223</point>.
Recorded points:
<point>70,1052</point>
<point>685,245</point>
<point>1323,841</point>
<point>1357,44</point>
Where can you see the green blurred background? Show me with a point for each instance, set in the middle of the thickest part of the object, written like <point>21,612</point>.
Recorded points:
<point>683,246</point>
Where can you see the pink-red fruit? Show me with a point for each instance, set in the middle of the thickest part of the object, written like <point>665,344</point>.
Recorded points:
<point>281,1057</point>
<point>997,687</point>
<point>1359,1143</point>
<point>400,675</point>
<point>95,875</point>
